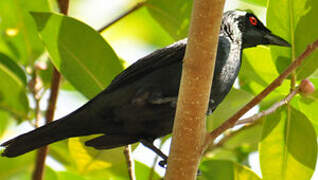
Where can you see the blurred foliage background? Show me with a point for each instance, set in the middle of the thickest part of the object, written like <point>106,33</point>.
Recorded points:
<point>34,36</point>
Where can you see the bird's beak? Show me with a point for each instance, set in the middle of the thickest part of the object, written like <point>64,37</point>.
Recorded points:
<point>276,40</point>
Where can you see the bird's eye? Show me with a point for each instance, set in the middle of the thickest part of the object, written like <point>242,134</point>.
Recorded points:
<point>253,21</point>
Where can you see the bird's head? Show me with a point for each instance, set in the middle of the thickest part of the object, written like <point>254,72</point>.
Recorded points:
<point>246,28</point>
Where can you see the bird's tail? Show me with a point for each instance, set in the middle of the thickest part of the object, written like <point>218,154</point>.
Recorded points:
<point>78,123</point>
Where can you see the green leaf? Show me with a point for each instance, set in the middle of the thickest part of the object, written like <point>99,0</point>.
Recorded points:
<point>65,175</point>
<point>232,102</point>
<point>225,170</point>
<point>18,32</point>
<point>309,105</point>
<point>151,32</point>
<point>246,137</point>
<point>305,34</point>
<point>142,172</point>
<point>293,22</point>
<point>60,152</point>
<point>252,70</point>
<point>78,52</point>
<point>255,76</point>
<point>12,88</point>
<point>49,174</point>
<point>88,159</point>
<point>173,16</point>
<point>4,121</point>
<point>256,2</point>
<point>16,168</point>
<point>13,67</point>
<point>288,149</point>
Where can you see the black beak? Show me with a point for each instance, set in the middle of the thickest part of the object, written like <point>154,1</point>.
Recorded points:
<point>275,40</point>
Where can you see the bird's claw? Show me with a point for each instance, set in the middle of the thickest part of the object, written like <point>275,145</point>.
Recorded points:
<point>163,163</point>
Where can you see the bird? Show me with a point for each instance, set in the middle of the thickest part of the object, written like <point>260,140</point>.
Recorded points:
<point>140,103</point>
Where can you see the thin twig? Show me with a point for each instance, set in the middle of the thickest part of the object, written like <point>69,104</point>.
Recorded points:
<point>55,85</point>
<point>277,82</point>
<point>133,9</point>
<point>130,162</point>
<point>42,152</point>
<point>270,110</point>
<point>229,135</point>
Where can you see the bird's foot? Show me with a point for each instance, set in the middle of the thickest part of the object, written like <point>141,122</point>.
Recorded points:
<point>163,163</point>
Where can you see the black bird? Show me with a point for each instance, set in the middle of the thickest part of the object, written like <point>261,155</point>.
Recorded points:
<point>140,103</point>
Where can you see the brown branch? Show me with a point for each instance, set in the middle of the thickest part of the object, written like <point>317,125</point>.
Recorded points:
<point>133,9</point>
<point>277,82</point>
<point>63,6</point>
<point>270,110</point>
<point>42,152</point>
<point>197,74</point>
<point>130,162</point>
<point>55,85</point>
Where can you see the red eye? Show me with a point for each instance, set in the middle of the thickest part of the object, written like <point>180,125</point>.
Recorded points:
<point>253,21</point>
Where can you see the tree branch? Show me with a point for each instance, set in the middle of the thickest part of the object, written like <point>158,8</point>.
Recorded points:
<point>130,162</point>
<point>277,82</point>
<point>197,74</point>
<point>133,9</point>
<point>55,84</point>
<point>270,110</point>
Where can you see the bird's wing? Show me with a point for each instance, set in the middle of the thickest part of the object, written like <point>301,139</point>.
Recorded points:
<point>149,63</point>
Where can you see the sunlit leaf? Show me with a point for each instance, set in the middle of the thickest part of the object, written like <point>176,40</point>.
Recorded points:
<point>256,2</point>
<point>309,105</point>
<point>4,121</point>
<point>174,16</point>
<point>288,149</point>
<point>232,102</point>
<point>79,52</point>
<point>305,34</point>
<point>69,176</point>
<point>225,170</point>
<point>17,167</point>
<point>247,137</point>
<point>88,159</point>
<point>142,172</point>
<point>151,32</point>
<point>258,71</point>
<point>293,22</point>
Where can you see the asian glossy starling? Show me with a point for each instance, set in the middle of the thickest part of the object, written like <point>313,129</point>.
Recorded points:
<point>140,103</point>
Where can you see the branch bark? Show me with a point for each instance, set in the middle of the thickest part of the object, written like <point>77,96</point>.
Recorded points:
<point>133,9</point>
<point>198,66</point>
<point>49,116</point>
<point>276,83</point>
